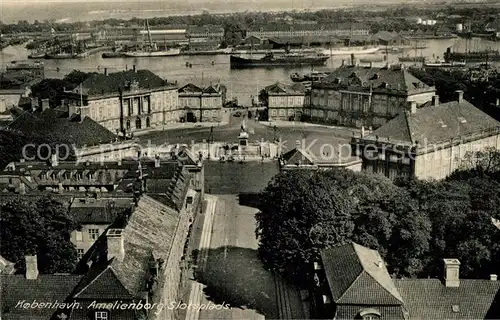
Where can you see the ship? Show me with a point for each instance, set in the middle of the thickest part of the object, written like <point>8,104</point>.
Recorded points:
<point>471,56</point>
<point>350,50</point>
<point>62,55</point>
<point>152,49</point>
<point>411,59</point>
<point>284,60</point>
<point>113,54</point>
<point>153,53</point>
<point>313,76</point>
<point>444,64</point>
<point>37,55</point>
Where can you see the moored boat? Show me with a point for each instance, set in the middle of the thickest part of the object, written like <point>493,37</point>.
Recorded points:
<point>116,54</point>
<point>285,60</point>
<point>350,50</point>
<point>411,59</point>
<point>474,56</point>
<point>61,56</point>
<point>159,53</point>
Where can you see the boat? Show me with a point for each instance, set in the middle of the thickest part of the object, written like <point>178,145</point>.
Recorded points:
<point>371,60</point>
<point>113,54</point>
<point>152,50</point>
<point>472,56</point>
<point>444,64</point>
<point>37,55</point>
<point>350,50</point>
<point>62,55</point>
<point>153,53</point>
<point>285,60</point>
<point>411,59</point>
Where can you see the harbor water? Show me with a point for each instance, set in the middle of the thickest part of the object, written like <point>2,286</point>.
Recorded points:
<point>242,84</point>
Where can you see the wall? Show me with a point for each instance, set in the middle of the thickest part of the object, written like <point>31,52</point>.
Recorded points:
<point>7,101</point>
<point>285,107</point>
<point>86,242</point>
<point>441,163</point>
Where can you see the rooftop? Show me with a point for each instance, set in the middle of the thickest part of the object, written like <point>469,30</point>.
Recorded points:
<point>286,89</point>
<point>436,124</point>
<point>306,27</point>
<point>99,211</point>
<point>393,78</point>
<point>57,126</point>
<point>112,83</point>
<point>46,288</point>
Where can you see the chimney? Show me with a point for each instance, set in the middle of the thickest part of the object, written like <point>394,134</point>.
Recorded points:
<point>119,162</point>
<point>460,96</point>
<point>133,68</point>
<point>116,247</point>
<point>353,59</point>
<point>105,71</point>
<point>371,64</point>
<point>45,104</point>
<point>435,100</point>
<point>31,267</point>
<point>493,277</point>
<point>362,131</point>
<point>452,273</point>
<point>22,188</point>
<point>380,264</point>
<point>157,162</point>
<point>54,161</point>
<point>343,63</point>
<point>34,104</point>
<point>413,107</point>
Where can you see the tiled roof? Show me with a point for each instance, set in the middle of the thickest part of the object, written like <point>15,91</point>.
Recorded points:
<point>286,89</point>
<point>46,288</point>
<point>384,36</point>
<point>101,84</point>
<point>306,27</point>
<point>436,124</point>
<point>99,211</point>
<point>192,88</point>
<point>317,151</point>
<point>358,275</point>
<point>149,232</point>
<point>430,299</point>
<point>394,78</point>
<point>350,312</point>
<point>55,125</point>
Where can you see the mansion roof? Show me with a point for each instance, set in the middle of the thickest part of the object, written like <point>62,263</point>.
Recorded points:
<point>396,79</point>
<point>435,124</point>
<point>359,281</point>
<point>99,83</point>
<point>296,89</point>
<point>56,125</point>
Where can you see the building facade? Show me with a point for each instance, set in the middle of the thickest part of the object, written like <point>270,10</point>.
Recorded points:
<point>428,142</point>
<point>357,96</point>
<point>284,102</point>
<point>201,104</point>
<point>304,30</point>
<point>126,102</point>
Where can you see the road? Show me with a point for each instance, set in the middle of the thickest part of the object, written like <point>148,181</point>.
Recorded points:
<point>233,273</point>
<point>229,133</point>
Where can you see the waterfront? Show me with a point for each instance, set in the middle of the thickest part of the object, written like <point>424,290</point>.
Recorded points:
<point>240,83</point>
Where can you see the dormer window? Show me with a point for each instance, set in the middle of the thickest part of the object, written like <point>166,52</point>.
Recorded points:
<point>101,315</point>
<point>369,314</point>
<point>462,120</point>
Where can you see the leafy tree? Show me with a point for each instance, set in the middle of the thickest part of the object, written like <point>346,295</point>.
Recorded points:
<point>40,227</point>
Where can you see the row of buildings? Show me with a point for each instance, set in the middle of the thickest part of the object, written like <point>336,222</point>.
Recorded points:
<point>131,101</point>
<point>405,129</point>
<point>133,219</point>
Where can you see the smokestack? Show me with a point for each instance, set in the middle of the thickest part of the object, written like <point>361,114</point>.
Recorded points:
<point>353,59</point>
<point>362,131</point>
<point>343,63</point>
<point>133,68</point>
<point>157,162</point>
<point>460,96</point>
<point>54,161</point>
<point>371,64</point>
<point>116,247</point>
<point>31,267</point>
<point>435,100</point>
<point>22,188</point>
<point>413,107</point>
<point>105,71</point>
<point>493,277</point>
<point>45,104</point>
<point>452,273</point>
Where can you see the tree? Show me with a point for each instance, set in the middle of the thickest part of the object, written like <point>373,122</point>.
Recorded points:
<point>40,227</point>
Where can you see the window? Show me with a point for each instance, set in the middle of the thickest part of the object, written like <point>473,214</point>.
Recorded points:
<point>138,123</point>
<point>148,122</point>
<point>101,315</point>
<point>371,317</point>
<point>93,234</point>
<point>78,236</point>
<point>79,253</point>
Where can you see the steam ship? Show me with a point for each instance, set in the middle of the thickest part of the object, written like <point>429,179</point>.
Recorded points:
<point>474,56</point>
<point>285,60</point>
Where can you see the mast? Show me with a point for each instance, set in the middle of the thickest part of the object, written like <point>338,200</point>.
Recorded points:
<point>149,34</point>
